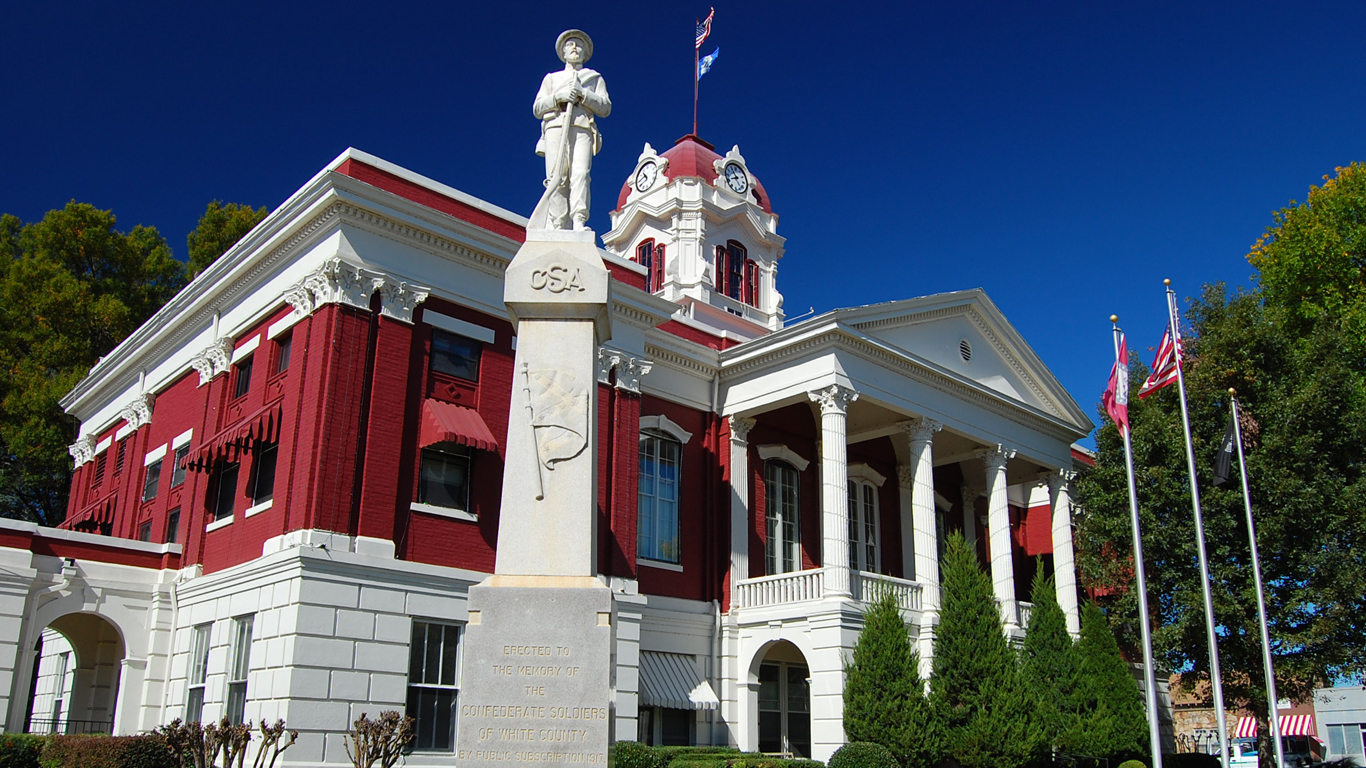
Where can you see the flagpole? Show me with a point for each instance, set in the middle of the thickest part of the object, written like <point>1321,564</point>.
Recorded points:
<point>1273,719</point>
<point>1149,672</point>
<point>1216,679</point>
<point>695,78</point>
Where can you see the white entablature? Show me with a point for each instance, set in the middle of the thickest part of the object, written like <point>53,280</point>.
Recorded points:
<point>718,233</point>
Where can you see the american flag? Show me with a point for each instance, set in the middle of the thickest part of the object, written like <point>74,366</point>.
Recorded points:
<point>1165,365</point>
<point>704,29</point>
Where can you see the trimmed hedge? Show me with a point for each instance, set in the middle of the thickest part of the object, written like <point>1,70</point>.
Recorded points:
<point>20,750</point>
<point>631,754</point>
<point>106,752</point>
<point>863,754</point>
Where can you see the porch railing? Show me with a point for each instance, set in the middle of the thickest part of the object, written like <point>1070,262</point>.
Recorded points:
<point>1025,610</point>
<point>62,725</point>
<point>867,587</point>
<point>800,586</point>
<point>781,588</point>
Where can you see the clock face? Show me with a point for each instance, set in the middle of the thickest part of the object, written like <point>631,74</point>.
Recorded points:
<point>645,177</point>
<point>736,179</point>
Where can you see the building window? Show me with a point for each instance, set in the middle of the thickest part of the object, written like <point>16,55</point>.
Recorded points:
<point>173,526</point>
<point>226,492</point>
<point>455,355</point>
<point>151,478</point>
<point>145,531</point>
<point>651,256</point>
<point>736,275</point>
<point>657,497</point>
<point>282,345</point>
<point>97,477</point>
<point>445,478</point>
<point>433,684</point>
<point>238,666</point>
<point>863,550</point>
<point>178,468</point>
<point>199,673</point>
<point>242,377</point>
<point>118,460</point>
<point>263,475</point>
<point>782,553</point>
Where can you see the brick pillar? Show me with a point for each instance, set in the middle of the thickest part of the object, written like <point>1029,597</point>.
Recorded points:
<point>390,434</point>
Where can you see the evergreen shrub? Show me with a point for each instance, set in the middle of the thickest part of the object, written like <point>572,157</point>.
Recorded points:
<point>863,754</point>
<point>97,751</point>
<point>884,697</point>
<point>631,754</point>
<point>20,750</point>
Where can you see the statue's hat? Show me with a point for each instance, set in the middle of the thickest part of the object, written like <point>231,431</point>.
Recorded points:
<point>580,34</point>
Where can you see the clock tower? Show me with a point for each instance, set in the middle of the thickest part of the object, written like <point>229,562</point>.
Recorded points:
<point>702,226</point>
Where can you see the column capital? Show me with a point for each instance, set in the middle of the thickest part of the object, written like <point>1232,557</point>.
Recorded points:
<point>139,411</point>
<point>920,430</point>
<point>1056,479</point>
<point>739,429</point>
<point>213,360</point>
<point>995,458</point>
<point>905,476</point>
<point>833,399</point>
<point>83,450</point>
<point>630,370</point>
<point>399,298</point>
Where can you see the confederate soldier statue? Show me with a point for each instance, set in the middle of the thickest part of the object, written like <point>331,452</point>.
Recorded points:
<point>567,104</point>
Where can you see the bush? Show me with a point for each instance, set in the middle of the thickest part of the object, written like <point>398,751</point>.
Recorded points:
<point>669,754</point>
<point>863,754</point>
<point>1135,764</point>
<point>88,751</point>
<point>20,750</point>
<point>631,754</point>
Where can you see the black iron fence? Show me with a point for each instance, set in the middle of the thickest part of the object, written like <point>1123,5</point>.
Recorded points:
<point>45,725</point>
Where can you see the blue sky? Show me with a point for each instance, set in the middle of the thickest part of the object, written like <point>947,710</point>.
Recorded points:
<point>1064,156</point>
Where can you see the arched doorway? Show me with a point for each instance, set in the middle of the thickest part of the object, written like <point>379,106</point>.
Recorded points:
<point>784,709</point>
<point>76,676</point>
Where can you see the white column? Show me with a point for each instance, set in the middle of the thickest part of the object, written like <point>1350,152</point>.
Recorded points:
<point>920,437</point>
<point>970,494</point>
<point>834,401</point>
<point>998,533</point>
<point>1064,561</point>
<point>739,502</point>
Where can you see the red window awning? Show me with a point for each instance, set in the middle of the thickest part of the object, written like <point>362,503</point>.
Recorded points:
<point>260,427</point>
<point>447,423</point>
<point>1291,725</point>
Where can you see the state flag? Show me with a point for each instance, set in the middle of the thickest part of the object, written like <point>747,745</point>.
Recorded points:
<point>1116,397</point>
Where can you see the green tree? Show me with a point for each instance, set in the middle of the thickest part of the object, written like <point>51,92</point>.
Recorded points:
<point>884,696</point>
<point>71,288</point>
<point>219,229</point>
<point>1304,425</point>
<point>1047,661</point>
<point>1312,259</point>
<point>990,719</point>
<point>1110,720</point>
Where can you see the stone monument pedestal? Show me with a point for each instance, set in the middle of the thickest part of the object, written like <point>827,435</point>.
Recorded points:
<point>536,677</point>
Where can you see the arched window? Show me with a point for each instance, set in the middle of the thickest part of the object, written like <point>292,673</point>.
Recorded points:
<point>657,496</point>
<point>782,546</point>
<point>651,256</point>
<point>736,275</point>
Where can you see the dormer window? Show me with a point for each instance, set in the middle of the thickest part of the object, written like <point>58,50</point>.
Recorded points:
<point>651,256</point>
<point>736,275</point>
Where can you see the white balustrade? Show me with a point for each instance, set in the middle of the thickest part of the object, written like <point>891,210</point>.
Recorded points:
<point>799,586</point>
<point>781,588</point>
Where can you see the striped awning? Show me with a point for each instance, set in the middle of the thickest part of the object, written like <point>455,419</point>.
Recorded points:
<point>447,423</point>
<point>1291,725</point>
<point>258,428</point>
<point>671,680</point>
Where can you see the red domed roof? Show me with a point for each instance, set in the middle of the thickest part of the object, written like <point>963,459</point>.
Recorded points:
<point>691,156</point>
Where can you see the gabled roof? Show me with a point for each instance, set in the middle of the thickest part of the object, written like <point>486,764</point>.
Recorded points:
<point>960,336</point>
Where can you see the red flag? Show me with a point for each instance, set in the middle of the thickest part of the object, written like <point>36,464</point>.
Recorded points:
<point>1116,397</point>
<point>1165,365</point>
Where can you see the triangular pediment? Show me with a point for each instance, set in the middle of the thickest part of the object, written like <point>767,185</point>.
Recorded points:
<point>964,334</point>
